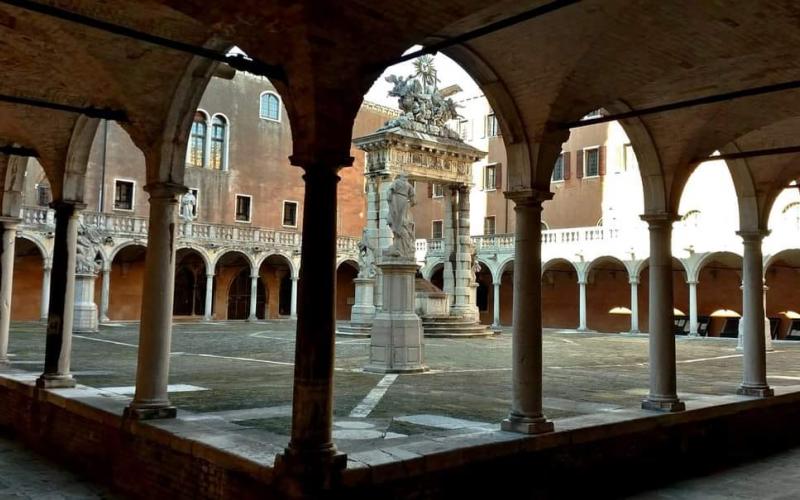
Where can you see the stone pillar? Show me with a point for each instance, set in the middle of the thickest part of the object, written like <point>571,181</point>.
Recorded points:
<point>45,306</point>
<point>363,311</point>
<point>449,243</point>
<point>293,310</point>
<point>463,305</point>
<point>396,340</point>
<point>85,319</point>
<point>253,296</point>
<point>526,402</point>
<point>104,292</point>
<point>158,292</point>
<point>382,235</point>
<point>311,452</point>
<point>6,282</point>
<point>582,305</point>
<point>767,326</point>
<point>209,296</point>
<point>663,392</point>
<point>58,341</point>
<point>634,305</point>
<point>754,380</point>
<point>693,309</point>
<point>496,310</point>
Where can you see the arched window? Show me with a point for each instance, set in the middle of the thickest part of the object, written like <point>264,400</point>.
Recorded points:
<point>197,141</point>
<point>270,106</point>
<point>692,218</point>
<point>219,130</point>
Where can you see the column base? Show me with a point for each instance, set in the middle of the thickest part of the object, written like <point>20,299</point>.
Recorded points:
<point>663,405</point>
<point>47,381</point>
<point>137,413</point>
<point>383,369</point>
<point>693,334</point>
<point>523,425</point>
<point>306,474</point>
<point>757,392</point>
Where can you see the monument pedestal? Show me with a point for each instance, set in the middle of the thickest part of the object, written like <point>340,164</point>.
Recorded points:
<point>363,312</point>
<point>396,341</point>
<point>85,319</point>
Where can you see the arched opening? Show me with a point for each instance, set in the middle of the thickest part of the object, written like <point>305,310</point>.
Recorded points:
<point>190,283</point>
<point>560,294</point>
<point>437,276</point>
<point>239,296</point>
<point>782,275</point>
<point>680,296</point>
<point>484,294</point>
<point>125,286</point>
<point>345,289</point>
<point>26,299</point>
<point>507,294</point>
<point>607,287</point>
<point>276,272</point>
<point>719,288</point>
<point>232,287</point>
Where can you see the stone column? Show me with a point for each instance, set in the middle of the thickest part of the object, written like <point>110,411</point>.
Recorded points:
<point>293,310</point>
<point>85,317</point>
<point>363,311</point>
<point>496,321</point>
<point>58,341</point>
<point>693,309</point>
<point>754,381</point>
<point>634,305</point>
<point>6,282</point>
<point>209,296</point>
<point>253,296</point>
<point>463,305</point>
<point>311,451</point>
<point>526,403</point>
<point>582,305</point>
<point>106,287</point>
<point>45,306</point>
<point>158,292</point>
<point>449,243</point>
<point>663,392</point>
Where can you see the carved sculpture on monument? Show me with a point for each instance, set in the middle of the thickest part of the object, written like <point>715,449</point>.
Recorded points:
<point>86,268</point>
<point>401,198</point>
<point>366,257</point>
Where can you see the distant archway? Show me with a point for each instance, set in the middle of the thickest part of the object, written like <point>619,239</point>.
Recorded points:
<point>190,283</point>
<point>125,285</point>
<point>607,287</point>
<point>560,294</point>
<point>276,273</point>
<point>345,289</point>
<point>26,300</point>
<point>239,297</point>
<point>782,274</point>
<point>232,275</point>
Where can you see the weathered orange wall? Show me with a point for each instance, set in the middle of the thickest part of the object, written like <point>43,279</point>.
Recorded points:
<point>782,296</point>
<point>26,297</point>
<point>345,291</point>
<point>125,290</point>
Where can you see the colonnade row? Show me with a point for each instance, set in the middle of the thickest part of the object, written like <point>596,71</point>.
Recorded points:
<point>311,435</point>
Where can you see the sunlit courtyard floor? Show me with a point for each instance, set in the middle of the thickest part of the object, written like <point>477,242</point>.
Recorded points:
<point>242,373</point>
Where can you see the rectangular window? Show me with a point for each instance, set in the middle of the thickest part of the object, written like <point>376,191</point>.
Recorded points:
<point>558,170</point>
<point>123,195</point>
<point>43,196</point>
<point>438,190</point>
<point>629,157</point>
<point>591,162</point>
<point>437,230</point>
<point>488,226</point>
<point>465,130</point>
<point>490,178</point>
<point>491,125</point>
<point>290,213</point>
<point>243,203</point>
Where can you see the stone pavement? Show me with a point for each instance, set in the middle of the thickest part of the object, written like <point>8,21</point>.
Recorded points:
<point>26,475</point>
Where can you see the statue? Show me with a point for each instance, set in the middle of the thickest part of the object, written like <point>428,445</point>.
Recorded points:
<point>475,268</point>
<point>86,250</point>
<point>423,107</point>
<point>366,257</point>
<point>401,197</point>
<point>188,202</point>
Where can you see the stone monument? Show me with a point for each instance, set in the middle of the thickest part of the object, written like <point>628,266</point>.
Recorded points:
<point>363,312</point>
<point>86,268</point>
<point>418,144</point>
<point>396,340</point>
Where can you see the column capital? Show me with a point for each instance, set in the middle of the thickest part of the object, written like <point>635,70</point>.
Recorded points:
<point>754,236</point>
<point>164,190</point>
<point>10,222</point>
<point>209,275</point>
<point>528,197</point>
<point>692,282</point>
<point>659,219</point>
<point>64,205</point>
<point>295,278</point>
<point>583,281</point>
<point>633,281</point>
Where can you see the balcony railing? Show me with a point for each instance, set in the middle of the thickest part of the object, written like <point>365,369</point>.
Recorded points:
<point>121,225</point>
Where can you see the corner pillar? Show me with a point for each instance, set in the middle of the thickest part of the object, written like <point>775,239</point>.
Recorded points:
<point>582,305</point>
<point>526,401</point>
<point>158,293</point>
<point>754,379</point>
<point>104,294</point>
<point>663,386</point>
<point>293,306</point>
<point>496,310</point>
<point>693,308</point>
<point>253,296</point>
<point>6,283</point>
<point>209,296</point>
<point>45,301</point>
<point>634,305</point>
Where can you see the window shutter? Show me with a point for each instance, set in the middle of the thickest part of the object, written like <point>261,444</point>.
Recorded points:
<point>601,160</point>
<point>579,164</point>
<point>498,176</point>
<point>567,165</point>
<point>430,190</point>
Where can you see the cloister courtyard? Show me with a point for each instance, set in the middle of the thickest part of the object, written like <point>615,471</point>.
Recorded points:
<point>239,375</point>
